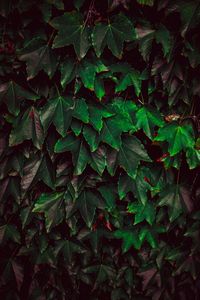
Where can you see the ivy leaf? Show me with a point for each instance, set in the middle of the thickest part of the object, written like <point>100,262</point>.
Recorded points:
<point>9,232</point>
<point>147,119</point>
<point>189,12</point>
<point>150,234</point>
<point>71,31</point>
<point>147,35</point>
<point>11,94</point>
<point>93,237</point>
<point>98,160</point>
<point>103,272</point>
<point>91,137</point>
<point>109,194</point>
<point>37,167</point>
<point>67,249</point>
<point>111,132</point>
<point>10,186</point>
<point>87,70</point>
<point>172,198</point>
<point>59,112</point>
<point>76,127</point>
<point>142,212</point>
<point>81,155</point>
<point>130,239</point>
<point>130,154</point>
<point>96,114</point>
<point>179,137</point>
<point>27,126</point>
<point>122,121</point>
<point>138,186</point>
<point>52,207</point>
<point>87,203</point>
<point>193,157</point>
<point>130,77</point>
<point>163,37</point>
<point>81,110</point>
<point>113,35</point>
<point>68,71</point>
<point>38,56</point>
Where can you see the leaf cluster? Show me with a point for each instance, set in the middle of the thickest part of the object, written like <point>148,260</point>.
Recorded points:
<point>99,149</point>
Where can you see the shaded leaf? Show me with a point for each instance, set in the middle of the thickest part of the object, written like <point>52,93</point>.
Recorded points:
<point>38,56</point>
<point>113,35</point>
<point>27,127</point>
<point>71,31</point>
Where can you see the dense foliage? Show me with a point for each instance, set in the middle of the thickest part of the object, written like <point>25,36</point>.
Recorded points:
<point>99,149</point>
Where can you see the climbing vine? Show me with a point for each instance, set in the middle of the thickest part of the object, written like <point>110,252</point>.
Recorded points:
<point>99,149</point>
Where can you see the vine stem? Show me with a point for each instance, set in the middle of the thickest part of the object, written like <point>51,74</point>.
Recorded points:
<point>51,37</point>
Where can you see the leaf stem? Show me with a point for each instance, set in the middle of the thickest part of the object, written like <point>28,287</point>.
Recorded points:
<point>57,90</point>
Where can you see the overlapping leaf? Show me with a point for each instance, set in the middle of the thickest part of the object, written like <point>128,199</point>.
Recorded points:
<point>113,35</point>
<point>72,31</point>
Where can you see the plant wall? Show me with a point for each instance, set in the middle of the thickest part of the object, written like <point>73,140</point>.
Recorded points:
<point>100,149</point>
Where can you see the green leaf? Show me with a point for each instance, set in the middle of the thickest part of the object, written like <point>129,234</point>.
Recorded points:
<point>52,207</point>
<point>9,232</point>
<point>86,70</point>
<point>130,239</point>
<point>71,31</point>
<point>189,12</point>
<point>102,273</point>
<point>98,160</point>
<point>76,127</point>
<point>193,158</point>
<point>108,192</point>
<point>69,143</point>
<point>87,203</point>
<point>96,114</point>
<point>122,121</point>
<point>67,249</point>
<point>12,94</point>
<point>163,37</point>
<point>172,198</point>
<point>145,36</point>
<point>147,119</point>
<point>81,156</point>
<point>37,167</point>
<point>27,126</point>
<point>57,111</point>
<point>113,35</point>
<point>150,235</point>
<point>91,137</point>
<point>139,186</point>
<point>130,154</point>
<point>68,71</point>
<point>142,212</point>
<point>81,110</point>
<point>38,56</point>
<point>131,77</point>
<point>179,137</point>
